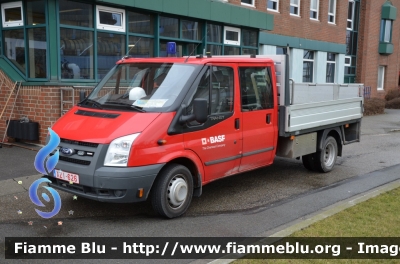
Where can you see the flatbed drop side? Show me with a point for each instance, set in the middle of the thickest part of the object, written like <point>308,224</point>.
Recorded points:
<point>161,128</point>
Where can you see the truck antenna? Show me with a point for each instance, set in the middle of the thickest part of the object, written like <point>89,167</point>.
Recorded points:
<point>194,49</point>
<point>131,47</point>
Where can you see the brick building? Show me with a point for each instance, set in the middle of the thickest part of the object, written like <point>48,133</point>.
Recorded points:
<point>378,46</point>
<point>66,47</point>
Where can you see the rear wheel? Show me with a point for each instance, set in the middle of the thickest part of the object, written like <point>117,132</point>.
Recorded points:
<point>172,191</point>
<point>326,158</point>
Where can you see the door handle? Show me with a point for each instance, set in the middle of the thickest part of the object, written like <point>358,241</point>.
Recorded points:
<point>268,118</point>
<point>237,123</point>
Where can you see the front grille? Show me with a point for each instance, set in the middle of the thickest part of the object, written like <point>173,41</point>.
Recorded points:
<point>80,143</point>
<point>76,161</point>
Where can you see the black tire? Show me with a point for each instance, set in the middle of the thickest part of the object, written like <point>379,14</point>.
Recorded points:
<point>326,158</point>
<point>172,191</point>
<point>309,161</point>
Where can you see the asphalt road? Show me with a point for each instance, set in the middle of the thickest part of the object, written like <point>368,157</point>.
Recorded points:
<point>250,204</point>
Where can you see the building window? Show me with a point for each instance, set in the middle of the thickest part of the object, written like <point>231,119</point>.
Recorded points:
<point>75,14</point>
<point>330,67</point>
<point>232,36</point>
<point>308,66</point>
<point>214,49</point>
<point>110,18</point>
<point>350,15</point>
<point>347,61</point>
<point>295,7</point>
<point>140,47</point>
<point>12,14</point>
<point>386,31</point>
<point>248,2</point>
<point>249,38</point>
<point>273,5</point>
<point>191,30</point>
<point>76,54</point>
<point>14,47</point>
<point>110,48</point>
<point>332,11</point>
<point>314,6</point>
<point>140,23</point>
<point>214,33</point>
<point>381,77</point>
<point>231,50</point>
<point>281,50</point>
<point>35,13</point>
<point>169,27</point>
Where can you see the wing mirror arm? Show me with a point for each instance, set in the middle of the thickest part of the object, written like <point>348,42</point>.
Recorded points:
<point>200,112</point>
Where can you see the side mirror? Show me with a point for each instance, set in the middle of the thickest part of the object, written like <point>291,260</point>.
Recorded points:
<point>200,112</point>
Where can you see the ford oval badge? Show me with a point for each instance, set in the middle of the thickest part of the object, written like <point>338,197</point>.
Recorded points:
<point>67,151</point>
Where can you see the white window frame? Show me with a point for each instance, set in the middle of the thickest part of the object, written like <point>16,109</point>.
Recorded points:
<point>347,64</point>
<point>246,4</point>
<point>314,10</point>
<point>298,8</point>
<point>232,42</point>
<point>313,63</point>
<point>352,16</point>
<point>110,10</point>
<point>381,71</point>
<point>277,5</point>
<point>334,12</point>
<point>13,23</point>
<point>332,62</point>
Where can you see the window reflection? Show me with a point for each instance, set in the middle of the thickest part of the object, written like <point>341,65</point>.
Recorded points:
<point>169,27</point>
<point>110,49</point>
<point>35,12</point>
<point>76,14</point>
<point>140,23</point>
<point>214,33</point>
<point>246,51</point>
<point>231,50</point>
<point>214,49</point>
<point>191,30</point>
<point>250,38</point>
<point>140,47</point>
<point>37,52</point>
<point>76,53</point>
<point>14,47</point>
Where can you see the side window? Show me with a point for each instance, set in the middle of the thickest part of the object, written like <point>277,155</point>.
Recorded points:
<point>221,90</point>
<point>216,85</point>
<point>256,88</point>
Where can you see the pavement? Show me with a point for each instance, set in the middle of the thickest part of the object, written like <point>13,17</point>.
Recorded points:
<point>278,219</point>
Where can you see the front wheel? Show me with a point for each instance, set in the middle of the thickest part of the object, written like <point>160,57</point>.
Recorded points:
<point>326,158</point>
<point>172,191</point>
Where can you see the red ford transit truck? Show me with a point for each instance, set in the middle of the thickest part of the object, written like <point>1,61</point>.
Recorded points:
<point>161,128</point>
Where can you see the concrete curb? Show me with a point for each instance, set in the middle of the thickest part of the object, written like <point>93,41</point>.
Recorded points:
<point>290,228</point>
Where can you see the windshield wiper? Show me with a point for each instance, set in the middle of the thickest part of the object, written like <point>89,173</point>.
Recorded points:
<point>138,108</point>
<point>94,103</point>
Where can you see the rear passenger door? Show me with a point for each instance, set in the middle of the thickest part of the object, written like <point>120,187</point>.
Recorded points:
<point>258,121</point>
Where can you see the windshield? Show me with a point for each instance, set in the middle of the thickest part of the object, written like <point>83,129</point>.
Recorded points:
<point>141,86</point>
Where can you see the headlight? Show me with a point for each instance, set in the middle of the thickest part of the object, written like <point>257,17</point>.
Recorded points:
<point>118,151</point>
